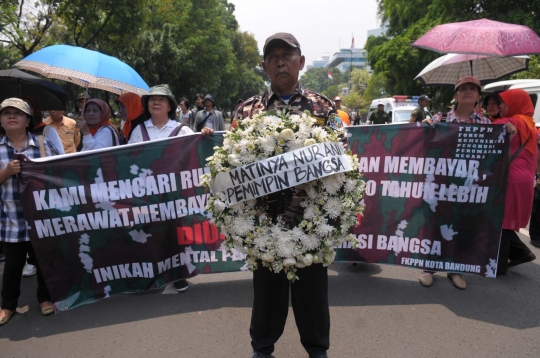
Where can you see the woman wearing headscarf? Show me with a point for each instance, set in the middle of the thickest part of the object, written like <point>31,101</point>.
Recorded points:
<point>15,126</point>
<point>131,112</point>
<point>95,126</point>
<point>516,110</point>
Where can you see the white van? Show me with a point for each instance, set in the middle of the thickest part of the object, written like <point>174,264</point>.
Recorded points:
<point>399,108</point>
<point>532,87</point>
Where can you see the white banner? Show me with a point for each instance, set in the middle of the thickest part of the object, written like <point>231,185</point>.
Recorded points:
<point>281,172</point>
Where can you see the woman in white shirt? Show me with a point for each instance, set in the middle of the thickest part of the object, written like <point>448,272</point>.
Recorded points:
<point>96,129</point>
<point>160,104</point>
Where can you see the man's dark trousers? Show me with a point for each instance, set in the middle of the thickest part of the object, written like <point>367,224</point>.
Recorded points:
<point>309,296</point>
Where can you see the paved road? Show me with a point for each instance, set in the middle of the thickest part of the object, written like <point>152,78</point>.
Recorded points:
<point>376,311</point>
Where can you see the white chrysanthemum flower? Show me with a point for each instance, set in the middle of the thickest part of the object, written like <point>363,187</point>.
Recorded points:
<point>286,248</point>
<point>243,225</point>
<point>309,212</point>
<point>310,242</point>
<point>332,184</point>
<point>350,185</point>
<point>233,160</point>
<point>333,207</point>
<point>324,229</point>
<point>267,144</point>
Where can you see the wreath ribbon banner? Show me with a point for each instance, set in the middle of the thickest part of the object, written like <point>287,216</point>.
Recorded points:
<point>282,171</point>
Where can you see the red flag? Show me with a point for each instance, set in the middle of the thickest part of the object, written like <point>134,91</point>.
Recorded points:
<point>352,44</point>
<point>330,75</point>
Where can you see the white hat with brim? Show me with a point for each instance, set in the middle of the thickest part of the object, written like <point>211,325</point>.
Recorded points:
<point>16,103</point>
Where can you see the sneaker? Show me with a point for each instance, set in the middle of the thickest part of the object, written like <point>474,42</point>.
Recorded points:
<point>29,270</point>
<point>181,286</point>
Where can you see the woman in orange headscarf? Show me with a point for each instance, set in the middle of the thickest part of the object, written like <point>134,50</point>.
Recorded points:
<point>516,110</point>
<point>131,112</point>
<point>95,126</point>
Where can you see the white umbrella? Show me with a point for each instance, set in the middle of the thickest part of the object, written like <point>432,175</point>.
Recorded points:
<point>448,69</point>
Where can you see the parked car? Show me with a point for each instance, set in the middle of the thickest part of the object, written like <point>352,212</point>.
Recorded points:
<point>398,107</point>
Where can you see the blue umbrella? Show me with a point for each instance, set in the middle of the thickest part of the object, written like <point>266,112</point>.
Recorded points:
<point>86,68</point>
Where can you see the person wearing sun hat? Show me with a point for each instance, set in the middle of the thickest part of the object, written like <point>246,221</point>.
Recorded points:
<point>160,106</point>
<point>15,127</point>
<point>467,93</point>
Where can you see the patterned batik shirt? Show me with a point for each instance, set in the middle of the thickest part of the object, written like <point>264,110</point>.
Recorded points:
<point>13,226</point>
<point>320,107</point>
<point>475,118</point>
<point>287,202</point>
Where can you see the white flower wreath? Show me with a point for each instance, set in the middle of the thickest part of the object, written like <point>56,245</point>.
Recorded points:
<point>331,204</point>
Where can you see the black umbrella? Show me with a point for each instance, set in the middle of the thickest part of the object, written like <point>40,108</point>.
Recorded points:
<point>49,95</point>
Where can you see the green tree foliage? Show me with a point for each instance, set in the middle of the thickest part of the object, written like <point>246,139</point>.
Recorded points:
<point>376,88</point>
<point>410,19</point>
<point>193,46</point>
<point>534,69</point>
<point>25,25</point>
<point>359,80</point>
<point>316,79</point>
<point>354,101</point>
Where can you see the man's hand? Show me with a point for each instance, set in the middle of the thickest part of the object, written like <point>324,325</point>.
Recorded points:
<point>81,125</point>
<point>207,131</point>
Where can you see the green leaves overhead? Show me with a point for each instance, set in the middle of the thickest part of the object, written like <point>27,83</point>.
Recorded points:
<point>408,20</point>
<point>193,46</point>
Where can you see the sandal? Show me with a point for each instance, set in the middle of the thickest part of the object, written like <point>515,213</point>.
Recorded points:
<point>6,318</point>
<point>47,310</point>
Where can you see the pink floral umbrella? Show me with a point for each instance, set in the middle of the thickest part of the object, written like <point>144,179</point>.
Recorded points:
<point>481,37</point>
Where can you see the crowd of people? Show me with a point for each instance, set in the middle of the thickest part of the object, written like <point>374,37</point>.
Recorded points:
<point>24,131</point>
<point>158,115</point>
